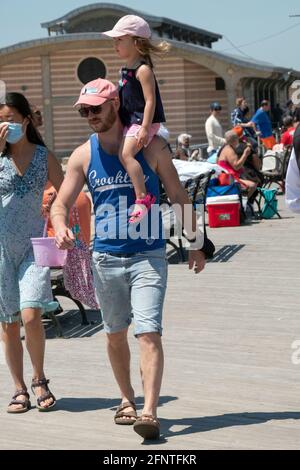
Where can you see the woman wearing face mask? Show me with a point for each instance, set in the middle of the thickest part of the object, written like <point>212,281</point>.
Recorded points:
<point>25,289</point>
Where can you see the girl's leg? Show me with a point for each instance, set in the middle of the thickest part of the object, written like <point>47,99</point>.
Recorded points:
<point>128,150</point>
<point>14,357</point>
<point>35,344</point>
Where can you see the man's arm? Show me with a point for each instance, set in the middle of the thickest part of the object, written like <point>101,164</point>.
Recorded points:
<point>218,141</point>
<point>237,120</point>
<point>210,134</point>
<point>67,195</point>
<point>247,124</point>
<point>256,119</point>
<point>179,199</point>
<point>232,157</point>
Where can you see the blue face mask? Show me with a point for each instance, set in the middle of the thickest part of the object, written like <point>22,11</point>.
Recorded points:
<point>15,132</point>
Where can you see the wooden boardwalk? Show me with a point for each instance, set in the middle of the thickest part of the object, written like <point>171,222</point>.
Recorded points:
<point>229,381</point>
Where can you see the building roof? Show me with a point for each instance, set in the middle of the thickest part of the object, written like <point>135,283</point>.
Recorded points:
<point>239,61</point>
<point>163,27</point>
<point>192,52</point>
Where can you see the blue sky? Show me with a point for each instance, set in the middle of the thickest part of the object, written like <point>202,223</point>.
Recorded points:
<point>239,22</point>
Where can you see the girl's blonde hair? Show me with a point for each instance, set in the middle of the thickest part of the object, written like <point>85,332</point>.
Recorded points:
<point>145,48</point>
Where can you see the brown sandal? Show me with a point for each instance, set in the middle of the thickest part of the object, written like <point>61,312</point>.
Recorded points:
<point>26,405</point>
<point>127,418</point>
<point>45,396</point>
<point>147,428</point>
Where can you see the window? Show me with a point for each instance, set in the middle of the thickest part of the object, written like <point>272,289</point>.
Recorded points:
<point>220,84</point>
<point>90,69</point>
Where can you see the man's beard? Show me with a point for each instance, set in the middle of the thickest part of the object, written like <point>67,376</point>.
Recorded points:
<point>106,123</point>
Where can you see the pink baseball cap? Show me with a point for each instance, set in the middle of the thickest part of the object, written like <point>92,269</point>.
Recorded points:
<point>132,25</point>
<point>97,92</point>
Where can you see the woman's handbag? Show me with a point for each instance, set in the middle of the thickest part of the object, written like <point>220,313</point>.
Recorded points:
<point>78,278</point>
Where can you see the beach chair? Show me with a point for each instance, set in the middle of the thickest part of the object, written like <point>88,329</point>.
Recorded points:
<point>274,168</point>
<point>58,289</point>
<point>197,190</point>
<point>267,203</point>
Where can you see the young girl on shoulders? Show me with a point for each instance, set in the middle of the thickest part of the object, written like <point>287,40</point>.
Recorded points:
<point>141,107</point>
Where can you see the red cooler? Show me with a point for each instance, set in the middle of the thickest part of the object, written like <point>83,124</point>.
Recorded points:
<point>223,211</point>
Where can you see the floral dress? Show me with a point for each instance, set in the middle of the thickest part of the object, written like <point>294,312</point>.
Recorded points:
<point>23,284</point>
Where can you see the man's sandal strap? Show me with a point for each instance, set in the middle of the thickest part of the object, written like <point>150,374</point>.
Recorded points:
<point>39,382</point>
<point>21,392</point>
<point>18,402</point>
<point>45,397</point>
<point>126,404</point>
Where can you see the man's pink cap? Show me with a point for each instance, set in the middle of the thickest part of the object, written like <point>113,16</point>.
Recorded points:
<point>132,25</point>
<point>97,92</point>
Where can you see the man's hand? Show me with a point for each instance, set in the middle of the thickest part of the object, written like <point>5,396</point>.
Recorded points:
<point>64,239</point>
<point>197,260</point>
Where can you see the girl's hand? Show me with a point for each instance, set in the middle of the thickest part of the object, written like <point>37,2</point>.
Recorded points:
<point>142,137</point>
<point>3,135</point>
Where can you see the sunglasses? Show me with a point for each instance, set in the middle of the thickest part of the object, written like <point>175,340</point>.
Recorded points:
<point>84,112</point>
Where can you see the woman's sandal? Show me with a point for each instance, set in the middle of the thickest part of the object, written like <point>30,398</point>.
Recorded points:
<point>126,417</point>
<point>148,428</point>
<point>45,396</point>
<point>25,403</point>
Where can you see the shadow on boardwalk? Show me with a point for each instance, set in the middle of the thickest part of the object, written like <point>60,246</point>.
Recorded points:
<point>211,423</point>
<point>72,327</point>
<point>79,405</point>
<point>222,255</point>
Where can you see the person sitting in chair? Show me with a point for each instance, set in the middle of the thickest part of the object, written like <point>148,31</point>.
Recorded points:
<point>233,164</point>
<point>183,151</point>
<point>287,136</point>
<point>253,164</point>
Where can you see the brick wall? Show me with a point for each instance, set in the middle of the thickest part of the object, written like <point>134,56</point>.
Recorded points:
<point>186,89</point>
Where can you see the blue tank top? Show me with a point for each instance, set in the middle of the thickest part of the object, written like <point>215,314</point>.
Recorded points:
<point>113,195</point>
<point>132,99</point>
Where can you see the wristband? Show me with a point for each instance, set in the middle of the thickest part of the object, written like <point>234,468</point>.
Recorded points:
<point>195,243</point>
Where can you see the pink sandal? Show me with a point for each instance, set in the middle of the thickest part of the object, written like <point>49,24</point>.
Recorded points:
<point>138,214</point>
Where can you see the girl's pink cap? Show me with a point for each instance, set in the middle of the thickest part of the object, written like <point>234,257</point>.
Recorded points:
<point>132,25</point>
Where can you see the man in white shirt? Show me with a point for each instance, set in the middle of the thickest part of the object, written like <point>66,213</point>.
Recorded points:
<point>213,129</point>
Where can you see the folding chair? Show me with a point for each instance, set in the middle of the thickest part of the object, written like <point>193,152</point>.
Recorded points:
<point>58,288</point>
<point>197,190</point>
<point>274,169</point>
<point>268,197</point>
<point>197,187</point>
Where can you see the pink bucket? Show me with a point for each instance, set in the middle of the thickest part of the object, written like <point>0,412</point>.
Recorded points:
<point>46,252</point>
